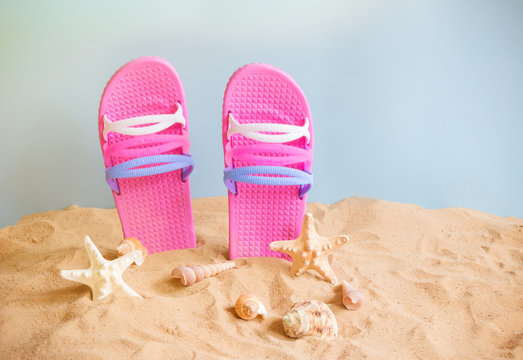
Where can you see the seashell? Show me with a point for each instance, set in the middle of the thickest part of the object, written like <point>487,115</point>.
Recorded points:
<point>129,245</point>
<point>249,306</point>
<point>190,274</point>
<point>352,298</point>
<point>310,318</point>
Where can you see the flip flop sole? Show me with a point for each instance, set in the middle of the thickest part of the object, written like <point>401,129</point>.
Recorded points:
<point>155,209</point>
<point>260,214</point>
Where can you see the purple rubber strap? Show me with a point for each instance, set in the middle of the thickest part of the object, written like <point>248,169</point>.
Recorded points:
<point>135,168</point>
<point>251,175</point>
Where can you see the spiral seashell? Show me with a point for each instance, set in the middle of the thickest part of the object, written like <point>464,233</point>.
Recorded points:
<point>190,274</point>
<point>352,298</point>
<point>310,318</point>
<point>249,306</point>
<point>129,245</point>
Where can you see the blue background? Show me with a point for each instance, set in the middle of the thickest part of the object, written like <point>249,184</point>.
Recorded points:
<point>413,101</point>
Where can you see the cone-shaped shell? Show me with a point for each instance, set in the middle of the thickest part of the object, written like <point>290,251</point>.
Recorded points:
<point>191,274</point>
<point>352,298</point>
<point>129,245</point>
<point>310,318</point>
<point>249,306</point>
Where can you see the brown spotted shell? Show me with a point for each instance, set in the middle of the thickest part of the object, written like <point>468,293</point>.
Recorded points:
<point>249,306</point>
<point>310,318</point>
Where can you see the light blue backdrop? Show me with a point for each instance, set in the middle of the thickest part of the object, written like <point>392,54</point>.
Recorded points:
<point>413,101</point>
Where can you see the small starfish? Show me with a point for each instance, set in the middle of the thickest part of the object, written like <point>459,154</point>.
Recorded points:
<point>310,250</point>
<point>104,276</point>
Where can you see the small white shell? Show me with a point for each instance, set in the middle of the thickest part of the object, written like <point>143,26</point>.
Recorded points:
<point>352,298</point>
<point>129,245</point>
<point>191,274</point>
<point>249,306</point>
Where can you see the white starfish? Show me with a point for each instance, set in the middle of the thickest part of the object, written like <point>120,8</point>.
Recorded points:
<point>104,276</point>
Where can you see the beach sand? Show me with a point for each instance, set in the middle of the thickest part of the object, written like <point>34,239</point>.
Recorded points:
<point>440,284</point>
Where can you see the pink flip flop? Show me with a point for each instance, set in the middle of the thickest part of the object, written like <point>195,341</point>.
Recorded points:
<point>144,136</point>
<point>268,147</point>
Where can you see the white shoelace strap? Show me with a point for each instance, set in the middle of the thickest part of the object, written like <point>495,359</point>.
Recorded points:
<point>257,131</point>
<point>156,123</point>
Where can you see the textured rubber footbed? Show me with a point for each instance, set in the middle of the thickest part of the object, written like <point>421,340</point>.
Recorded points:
<point>260,214</point>
<point>155,209</point>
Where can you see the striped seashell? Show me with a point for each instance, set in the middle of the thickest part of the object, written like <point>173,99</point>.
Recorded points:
<point>249,306</point>
<point>129,245</point>
<point>190,274</point>
<point>310,318</point>
<point>352,298</point>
